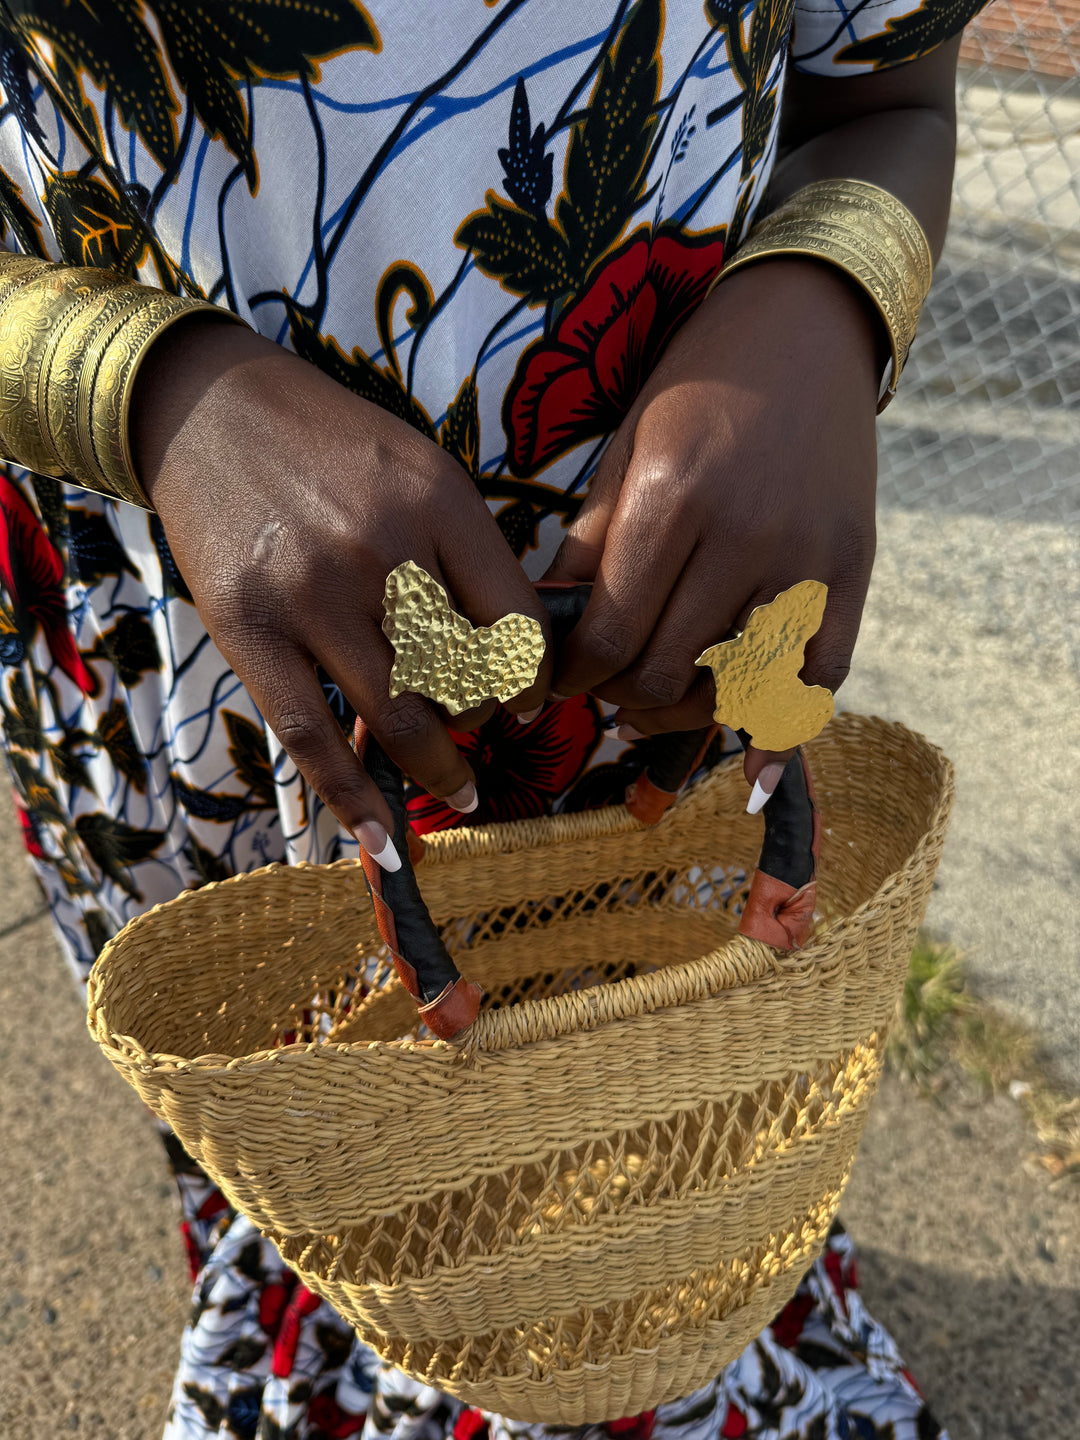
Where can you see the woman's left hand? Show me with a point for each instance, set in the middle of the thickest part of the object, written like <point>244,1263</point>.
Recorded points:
<point>747,463</point>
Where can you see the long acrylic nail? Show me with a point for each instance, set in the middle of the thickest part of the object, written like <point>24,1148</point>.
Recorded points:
<point>378,845</point>
<point>526,717</point>
<point>764,785</point>
<point>627,732</point>
<point>464,800</point>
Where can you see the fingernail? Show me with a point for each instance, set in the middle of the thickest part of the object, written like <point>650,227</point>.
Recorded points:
<point>627,732</point>
<point>378,845</point>
<point>556,698</point>
<point>528,716</point>
<point>464,800</point>
<point>764,786</point>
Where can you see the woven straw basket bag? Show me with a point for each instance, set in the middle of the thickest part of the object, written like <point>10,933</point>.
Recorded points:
<point>604,1190</point>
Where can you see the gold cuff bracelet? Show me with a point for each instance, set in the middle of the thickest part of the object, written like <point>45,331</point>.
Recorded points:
<point>72,340</point>
<point>867,233</point>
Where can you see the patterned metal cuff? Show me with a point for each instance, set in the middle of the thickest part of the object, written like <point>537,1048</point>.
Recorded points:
<point>72,340</point>
<point>867,233</point>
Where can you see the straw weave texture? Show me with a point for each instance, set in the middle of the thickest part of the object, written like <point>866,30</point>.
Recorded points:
<point>596,1199</point>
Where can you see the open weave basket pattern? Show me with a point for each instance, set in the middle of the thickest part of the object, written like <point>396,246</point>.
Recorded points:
<point>597,1199</point>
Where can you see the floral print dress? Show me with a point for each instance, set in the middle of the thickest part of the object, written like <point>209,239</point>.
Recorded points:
<point>488,217</point>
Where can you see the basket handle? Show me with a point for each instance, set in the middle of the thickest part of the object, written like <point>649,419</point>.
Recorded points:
<point>779,907</point>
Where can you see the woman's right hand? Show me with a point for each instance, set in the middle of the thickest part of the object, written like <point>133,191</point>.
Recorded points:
<point>286,501</point>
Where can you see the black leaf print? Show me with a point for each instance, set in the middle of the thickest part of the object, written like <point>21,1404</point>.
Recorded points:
<point>38,794</point>
<point>334,1343</point>
<point>94,550</point>
<point>114,47</point>
<point>242,1353</point>
<point>910,36</point>
<point>17,87</point>
<point>249,1262</point>
<point>114,735</point>
<point>12,646</point>
<point>206,805</point>
<point>99,932</point>
<point>22,725</point>
<point>460,431</point>
<point>217,44</point>
<point>114,845</point>
<point>528,171</point>
<point>250,754</point>
<point>926,1427</point>
<point>518,522</point>
<point>608,150</point>
<point>14,212</point>
<point>526,255</point>
<point>173,583</point>
<point>209,868</point>
<point>210,1407</point>
<point>69,766</point>
<point>54,513</point>
<point>131,647</point>
<point>93,226</point>
<point>819,1357</point>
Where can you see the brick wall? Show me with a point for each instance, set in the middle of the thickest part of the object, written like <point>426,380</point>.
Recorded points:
<point>1041,35</point>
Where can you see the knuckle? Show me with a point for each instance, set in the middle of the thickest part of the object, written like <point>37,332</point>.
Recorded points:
<point>612,646</point>
<point>404,722</point>
<point>830,671</point>
<point>299,732</point>
<point>659,685</point>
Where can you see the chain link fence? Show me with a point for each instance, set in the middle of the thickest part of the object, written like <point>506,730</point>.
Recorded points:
<point>988,419</point>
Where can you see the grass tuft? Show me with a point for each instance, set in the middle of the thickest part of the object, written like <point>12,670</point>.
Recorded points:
<point>944,1035</point>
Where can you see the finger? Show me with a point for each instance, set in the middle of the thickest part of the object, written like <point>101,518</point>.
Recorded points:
<point>291,700</point>
<point>763,769</point>
<point>407,726</point>
<point>827,662</point>
<point>643,558</point>
<point>469,719</point>
<point>578,557</point>
<point>702,609</point>
<point>693,711</point>
<point>485,582</point>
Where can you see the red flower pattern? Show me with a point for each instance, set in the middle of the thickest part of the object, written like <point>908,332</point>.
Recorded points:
<point>580,382</point>
<point>519,769</point>
<point>32,573</point>
<point>787,1328</point>
<point>734,1424</point>
<point>29,833</point>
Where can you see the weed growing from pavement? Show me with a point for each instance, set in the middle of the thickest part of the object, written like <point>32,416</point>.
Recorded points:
<point>945,1037</point>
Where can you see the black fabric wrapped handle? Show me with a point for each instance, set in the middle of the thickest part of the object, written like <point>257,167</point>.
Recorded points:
<point>779,907</point>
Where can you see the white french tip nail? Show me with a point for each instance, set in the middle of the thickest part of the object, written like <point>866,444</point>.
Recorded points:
<point>465,800</point>
<point>758,797</point>
<point>528,716</point>
<point>387,857</point>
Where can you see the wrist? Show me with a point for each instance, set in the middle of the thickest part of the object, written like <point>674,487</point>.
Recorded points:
<point>184,371</point>
<point>818,321</point>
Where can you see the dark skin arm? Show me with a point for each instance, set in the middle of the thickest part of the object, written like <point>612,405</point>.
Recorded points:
<point>748,462</point>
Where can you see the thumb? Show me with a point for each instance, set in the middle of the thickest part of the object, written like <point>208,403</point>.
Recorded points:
<point>578,557</point>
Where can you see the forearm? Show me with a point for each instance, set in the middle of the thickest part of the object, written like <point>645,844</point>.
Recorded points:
<point>896,130</point>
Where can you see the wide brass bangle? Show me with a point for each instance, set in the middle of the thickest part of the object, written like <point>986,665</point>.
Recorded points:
<point>72,341</point>
<point>864,231</point>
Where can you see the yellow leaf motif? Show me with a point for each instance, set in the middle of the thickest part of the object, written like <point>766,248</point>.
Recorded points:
<point>757,673</point>
<point>438,653</point>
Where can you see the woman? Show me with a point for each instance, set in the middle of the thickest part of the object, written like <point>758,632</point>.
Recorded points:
<point>475,245</point>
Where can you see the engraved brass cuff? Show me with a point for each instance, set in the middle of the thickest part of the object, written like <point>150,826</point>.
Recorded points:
<point>72,340</point>
<point>864,231</point>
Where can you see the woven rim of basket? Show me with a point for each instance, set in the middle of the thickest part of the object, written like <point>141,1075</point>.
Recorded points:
<point>740,961</point>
